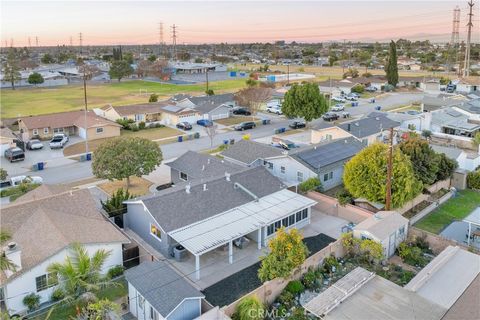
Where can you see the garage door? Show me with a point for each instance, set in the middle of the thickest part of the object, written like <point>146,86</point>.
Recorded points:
<point>190,119</point>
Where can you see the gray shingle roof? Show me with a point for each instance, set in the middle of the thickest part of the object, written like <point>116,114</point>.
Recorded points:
<point>472,106</point>
<point>174,208</point>
<point>161,286</point>
<point>202,166</point>
<point>452,153</point>
<point>372,124</point>
<point>205,104</point>
<point>246,151</point>
<point>329,153</point>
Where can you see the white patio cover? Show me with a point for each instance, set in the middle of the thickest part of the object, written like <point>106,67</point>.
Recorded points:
<point>474,217</point>
<point>211,233</point>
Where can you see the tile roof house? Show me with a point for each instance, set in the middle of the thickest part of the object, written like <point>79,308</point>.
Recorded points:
<point>42,232</point>
<point>70,123</point>
<point>204,215</point>
<point>7,139</point>
<point>156,291</point>
<point>146,112</point>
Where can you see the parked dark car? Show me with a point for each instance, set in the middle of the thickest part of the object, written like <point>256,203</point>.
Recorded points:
<point>330,116</point>
<point>245,126</point>
<point>205,123</point>
<point>242,111</point>
<point>14,154</point>
<point>297,124</point>
<point>184,126</point>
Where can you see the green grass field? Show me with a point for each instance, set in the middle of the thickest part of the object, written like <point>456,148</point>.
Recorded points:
<point>454,209</point>
<point>34,101</point>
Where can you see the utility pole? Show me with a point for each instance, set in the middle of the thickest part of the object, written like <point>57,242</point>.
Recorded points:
<point>80,42</point>
<point>343,56</point>
<point>388,197</point>
<point>11,42</point>
<point>466,66</point>
<point>86,105</point>
<point>160,39</point>
<point>36,41</point>
<point>174,39</point>
<point>29,42</point>
<point>288,74</point>
<point>206,76</point>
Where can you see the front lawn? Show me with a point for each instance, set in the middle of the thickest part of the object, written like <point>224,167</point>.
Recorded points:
<point>456,208</point>
<point>235,120</point>
<point>138,186</point>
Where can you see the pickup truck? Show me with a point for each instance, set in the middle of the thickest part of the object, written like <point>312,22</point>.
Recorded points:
<point>16,181</point>
<point>275,109</point>
<point>58,141</point>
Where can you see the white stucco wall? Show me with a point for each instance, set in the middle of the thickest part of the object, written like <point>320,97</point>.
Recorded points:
<point>291,168</point>
<point>25,284</point>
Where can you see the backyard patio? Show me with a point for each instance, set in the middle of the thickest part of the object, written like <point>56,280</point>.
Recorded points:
<point>466,231</point>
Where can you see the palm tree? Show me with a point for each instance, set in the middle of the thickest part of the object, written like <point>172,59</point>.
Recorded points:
<point>5,263</point>
<point>80,275</point>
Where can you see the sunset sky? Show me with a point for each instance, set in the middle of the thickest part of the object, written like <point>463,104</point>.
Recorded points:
<point>137,22</point>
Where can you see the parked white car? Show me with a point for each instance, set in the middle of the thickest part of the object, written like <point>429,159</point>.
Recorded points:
<point>16,181</point>
<point>338,99</point>
<point>274,109</point>
<point>34,144</point>
<point>338,107</point>
<point>58,141</point>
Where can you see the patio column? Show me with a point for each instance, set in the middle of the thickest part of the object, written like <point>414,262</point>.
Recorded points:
<point>230,252</point>
<point>197,266</point>
<point>259,239</point>
<point>469,233</point>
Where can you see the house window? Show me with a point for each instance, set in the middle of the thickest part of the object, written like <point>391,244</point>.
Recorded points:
<point>139,117</point>
<point>270,229</point>
<point>291,220</point>
<point>328,137</point>
<point>328,176</point>
<point>304,213</point>
<point>285,222</point>
<point>153,314</point>
<point>401,231</point>
<point>35,132</point>
<point>278,225</point>
<point>154,231</point>
<point>299,216</point>
<point>99,130</point>
<point>57,130</point>
<point>45,130</point>
<point>282,169</point>
<point>299,176</point>
<point>46,281</point>
<point>183,176</point>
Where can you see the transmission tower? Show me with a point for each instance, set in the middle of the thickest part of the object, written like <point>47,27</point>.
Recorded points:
<point>174,41</point>
<point>36,41</point>
<point>455,27</point>
<point>11,42</point>
<point>466,66</point>
<point>80,41</point>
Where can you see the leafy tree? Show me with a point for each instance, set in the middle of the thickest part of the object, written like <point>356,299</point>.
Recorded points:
<point>358,88</point>
<point>123,157</point>
<point>287,251</point>
<point>35,78</point>
<point>47,59</point>
<point>160,69</point>
<point>473,180</point>
<point>476,139</point>
<point>100,310</point>
<point>115,206</point>
<point>251,82</point>
<point>249,308</point>
<point>423,158</point>
<point>351,72</point>
<point>209,92</point>
<point>310,185</point>
<point>198,60</point>
<point>304,101</point>
<point>120,69</point>
<point>444,80</point>
<point>128,57</point>
<point>153,97</point>
<point>183,56</point>
<point>446,167</point>
<point>350,244</point>
<point>211,132</point>
<point>3,174</point>
<point>152,58</point>
<point>11,70</point>
<point>365,176</point>
<point>143,68</point>
<point>391,67</point>
<point>80,274</point>
<point>5,263</point>
<point>117,54</point>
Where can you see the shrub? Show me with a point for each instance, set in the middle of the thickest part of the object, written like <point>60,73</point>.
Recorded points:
<point>115,272</point>
<point>411,255</point>
<point>358,88</point>
<point>406,277</point>
<point>295,287</point>
<point>344,197</point>
<point>249,308</point>
<point>422,243</point>
<point>57,294</point>
<point>115,206</point>
<point>427,134</point>
<point>153,97</point>
<point>371,250</point>
<point>141,125</point>
<point>286,298</point>
<point>125,123</point>
<point>473,180</point>
<point>388,88</point>
<point>309,279</point>
<point>329,264</point>
<point>367,75</point>
<point>310,185</point>
<point>298,314</point>
<point>31,301</point>
<point>134,127</point>
<point>159,125</point>
<point>209,92</point>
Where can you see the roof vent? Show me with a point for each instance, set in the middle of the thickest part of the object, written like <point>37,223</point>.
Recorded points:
<point>12,245</point>
<point>357,124</point>
<point>187,188</point>
<point>205,187</point>
<point>227,176</point>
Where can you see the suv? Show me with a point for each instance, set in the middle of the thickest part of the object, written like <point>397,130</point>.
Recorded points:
<point>338,107</point>
<point>14,154</point>
<point>242,111</point>
<point>297,124</point>
<point>58,141</point>
<point>34,144</point>
<point>184,126</point>
<point>245,125</point>
<point>330,116</point>
<point>275,109</point>
<point>204,123</point>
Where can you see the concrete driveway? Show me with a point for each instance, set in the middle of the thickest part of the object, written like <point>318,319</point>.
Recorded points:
<point>323,223</point>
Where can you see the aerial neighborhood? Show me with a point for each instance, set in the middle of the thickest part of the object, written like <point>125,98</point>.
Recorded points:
<point>240,178</point>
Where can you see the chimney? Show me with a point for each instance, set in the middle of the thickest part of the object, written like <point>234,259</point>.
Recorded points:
<point>14,254</point>
<point>187,188</point>
<point>205,187</point>
<point>348,127</point>
<point>227,176</point>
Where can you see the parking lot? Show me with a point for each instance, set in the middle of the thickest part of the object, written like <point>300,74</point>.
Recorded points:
<point>51,158</point>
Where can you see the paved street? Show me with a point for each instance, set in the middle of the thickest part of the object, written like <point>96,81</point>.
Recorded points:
<point>82,170</point>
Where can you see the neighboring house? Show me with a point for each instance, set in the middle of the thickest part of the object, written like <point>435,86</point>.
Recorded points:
<point>210,107</point>
<point>192,166</point>
<point>192,68</point>
<point>251,154</point>
<point>414,82</point>
<point>336,87</point>
<point>432,103</point>
<point>321,133</point>
<point>7,140</point>
<point>467,85</point>
<point>70,123</point>
<point>42,232</point>
<point>452,122</point>
<point>173,114</point>
<point>205,215</point>
<point>373,128</point>
<point>466,160</point>
<point>470,108</point>
<point>387,227</point>
<point>156,291</point>
<point>326,160</point>
<point>447,277</point>
<point>146,112</point>
<point>43,191</point>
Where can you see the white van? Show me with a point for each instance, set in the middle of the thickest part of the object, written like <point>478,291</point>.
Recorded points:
<point>274,108</point>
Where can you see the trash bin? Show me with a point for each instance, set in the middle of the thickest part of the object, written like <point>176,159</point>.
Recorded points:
<point>40,165</point>
<point>35,167</point>
<point>180,139</point>
<point>232,141</point>
<point>378,108</point>
<point>225,141</point>
<point>196,135</point>
<point>83,158</point>
<point>89,156</point>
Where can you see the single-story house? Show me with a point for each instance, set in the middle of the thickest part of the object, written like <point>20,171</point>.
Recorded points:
<point>415,82</point>
<point>69,123</point>
<point>251,153</point>
<point>466,160</point>
<point>470,108</point>
<point>326,160</point>
<point>156,291</point>
<point>210,107</point>
<point>173,114</point>
<point>7,140</point>
<point>145,112</point>
<point>362,294</point>
<point>191,68</point>
<point>467,85</point>
<point>452,122</point>
<point>373,128</point>
<point>431,102</point>
<point>444,280</point>
<point>205,215</point>
<point>192,166</point>
<point>43,231</point>
<point>387,227</point>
